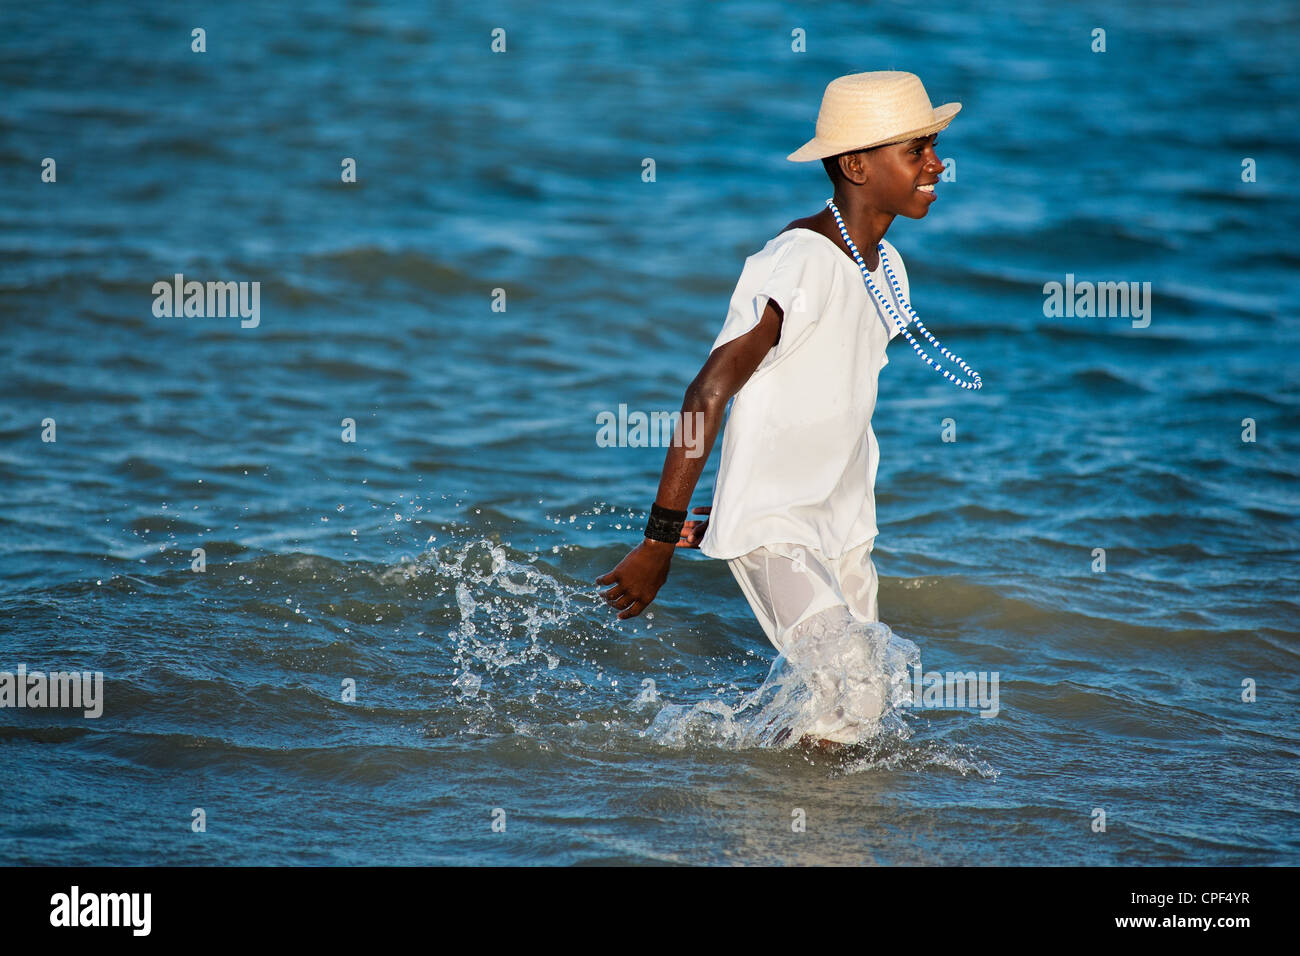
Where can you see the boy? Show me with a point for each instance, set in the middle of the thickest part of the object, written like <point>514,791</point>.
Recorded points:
<point>801,348</point>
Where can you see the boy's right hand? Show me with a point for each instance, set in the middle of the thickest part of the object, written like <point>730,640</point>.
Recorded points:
<point>638,577</point>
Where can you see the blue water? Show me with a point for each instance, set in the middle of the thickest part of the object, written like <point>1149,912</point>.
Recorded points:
<point>443,561</point>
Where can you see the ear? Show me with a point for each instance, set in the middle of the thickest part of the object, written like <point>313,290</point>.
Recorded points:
<point>853,166</point>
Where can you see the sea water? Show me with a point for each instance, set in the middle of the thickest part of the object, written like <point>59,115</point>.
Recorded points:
<point>401,499</point>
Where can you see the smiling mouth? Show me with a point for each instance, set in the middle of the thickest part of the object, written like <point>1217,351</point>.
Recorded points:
<point>927,188</point>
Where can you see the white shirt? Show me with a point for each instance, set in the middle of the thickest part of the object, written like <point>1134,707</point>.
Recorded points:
<point>799,458</point>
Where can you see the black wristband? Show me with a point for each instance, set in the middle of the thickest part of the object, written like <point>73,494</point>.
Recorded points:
<point>665,524</point>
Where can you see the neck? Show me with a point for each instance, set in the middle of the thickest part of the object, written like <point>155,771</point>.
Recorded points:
<point>866,224</point>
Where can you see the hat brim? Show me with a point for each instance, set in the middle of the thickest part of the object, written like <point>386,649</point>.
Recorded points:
<point>819,148</point>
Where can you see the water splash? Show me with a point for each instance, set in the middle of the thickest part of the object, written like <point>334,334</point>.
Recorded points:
<point>505,609</point>
<point>531,655</point>
<point>649,693</point>
<point>839,679</point>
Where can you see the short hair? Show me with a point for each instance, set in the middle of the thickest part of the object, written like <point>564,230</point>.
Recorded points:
<point>832,163</point>
<point>832,166</point>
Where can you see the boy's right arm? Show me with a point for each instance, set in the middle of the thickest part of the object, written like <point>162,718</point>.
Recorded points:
<point>639,576</point>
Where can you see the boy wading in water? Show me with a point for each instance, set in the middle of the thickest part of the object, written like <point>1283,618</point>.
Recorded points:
<point>801,349</point>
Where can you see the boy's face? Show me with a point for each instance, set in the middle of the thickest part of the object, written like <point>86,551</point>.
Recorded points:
<point>892,175</point>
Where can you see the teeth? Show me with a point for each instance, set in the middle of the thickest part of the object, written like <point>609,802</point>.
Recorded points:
<point>926,189</point>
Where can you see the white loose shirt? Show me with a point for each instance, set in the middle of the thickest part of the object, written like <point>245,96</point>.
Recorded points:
<point>799,458</point>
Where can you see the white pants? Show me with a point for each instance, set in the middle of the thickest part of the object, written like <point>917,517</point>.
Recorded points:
<point>813,609</point>
<point>786,584</point>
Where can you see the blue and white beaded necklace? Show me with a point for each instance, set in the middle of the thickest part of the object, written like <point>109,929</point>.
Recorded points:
<point>975,382</point>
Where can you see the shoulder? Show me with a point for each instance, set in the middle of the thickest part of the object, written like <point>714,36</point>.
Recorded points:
<point>805,240</point>
<point>802,228</point>
<point>800,248</point>
<point>787,246</point>
<point>805,223</point>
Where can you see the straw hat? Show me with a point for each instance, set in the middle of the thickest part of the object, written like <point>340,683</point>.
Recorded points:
<point>862,110</point>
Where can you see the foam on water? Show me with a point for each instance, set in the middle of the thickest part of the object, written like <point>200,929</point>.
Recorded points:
<point>838,679</point>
